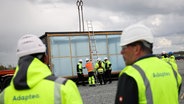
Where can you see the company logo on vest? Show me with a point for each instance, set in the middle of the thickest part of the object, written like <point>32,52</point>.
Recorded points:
<point>26,97</point>
<point>162,74</point>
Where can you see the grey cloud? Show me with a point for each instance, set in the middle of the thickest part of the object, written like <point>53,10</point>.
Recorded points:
<point>39,16</point>
<point>130,7</point>
<point>177,39</point>
<point>171,24</point>
<point>136,7</point>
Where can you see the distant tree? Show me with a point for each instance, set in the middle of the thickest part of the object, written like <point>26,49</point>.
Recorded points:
<point>10,67</point>
<point>2,67</point>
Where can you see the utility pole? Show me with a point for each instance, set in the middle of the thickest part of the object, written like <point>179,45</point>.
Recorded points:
<point>79,4</point>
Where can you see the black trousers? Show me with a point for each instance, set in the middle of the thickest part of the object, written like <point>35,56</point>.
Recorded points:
<point>101,78</point>
<point>80,79</point>
<point>108,76</point>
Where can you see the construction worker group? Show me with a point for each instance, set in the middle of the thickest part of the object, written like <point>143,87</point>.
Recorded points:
<point>98,73</point>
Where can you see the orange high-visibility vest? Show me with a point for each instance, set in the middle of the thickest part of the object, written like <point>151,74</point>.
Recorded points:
<point>89,66</point>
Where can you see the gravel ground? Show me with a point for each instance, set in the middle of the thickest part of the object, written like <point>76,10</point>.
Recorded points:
<point>105,94</point>
<point>100,94</point>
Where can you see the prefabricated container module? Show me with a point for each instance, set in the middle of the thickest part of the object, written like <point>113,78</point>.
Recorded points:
<point>64,49</point>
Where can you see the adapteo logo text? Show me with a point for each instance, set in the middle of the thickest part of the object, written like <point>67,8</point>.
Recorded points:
<point>26,97</point>
<point>162,74</point>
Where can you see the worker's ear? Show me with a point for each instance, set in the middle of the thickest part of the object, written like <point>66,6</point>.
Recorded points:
<point>137,49</point>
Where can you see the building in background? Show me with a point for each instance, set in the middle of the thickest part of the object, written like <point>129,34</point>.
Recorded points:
<point>65,48</point>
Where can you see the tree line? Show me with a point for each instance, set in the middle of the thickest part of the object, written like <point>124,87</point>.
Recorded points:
<point>9,67</point>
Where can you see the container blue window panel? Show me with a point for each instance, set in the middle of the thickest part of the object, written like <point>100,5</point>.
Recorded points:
<point>60,46</point>
<point>117,62</point>
<point>113,44</point>
<point>80,45</point>
<point>60,68</point>
<point>101,44</point>
<point>60,52</point>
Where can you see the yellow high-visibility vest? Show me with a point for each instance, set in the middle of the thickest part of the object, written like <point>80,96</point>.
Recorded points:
<point>40,90</point>
<point>157,82</point>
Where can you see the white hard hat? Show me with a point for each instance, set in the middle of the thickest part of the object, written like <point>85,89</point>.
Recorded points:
<point>99,59</point>
<point>80,60</point>
<point>135,33</point>
<point>30,44</point>
<point>163,52</point>
<point>105,58</point>
<point>87,59</point>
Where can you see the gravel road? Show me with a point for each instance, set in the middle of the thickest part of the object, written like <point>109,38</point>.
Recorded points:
<point>105,94</point>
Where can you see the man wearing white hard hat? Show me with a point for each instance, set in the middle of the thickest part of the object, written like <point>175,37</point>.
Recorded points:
<point>146,79</point>
<point>90,69</point>
<point>80,73</point>
<point>33,82</point>
<point>100,69</point>
<point>108,69</point>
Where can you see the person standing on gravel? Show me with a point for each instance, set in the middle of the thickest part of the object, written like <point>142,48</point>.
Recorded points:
<point>100,69</point>
<point>80,74</point>
<point>90,68</point>
<point>146,79</point>
<point>108,69</point>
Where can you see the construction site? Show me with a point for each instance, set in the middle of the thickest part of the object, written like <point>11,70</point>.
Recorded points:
<point>64,49</point>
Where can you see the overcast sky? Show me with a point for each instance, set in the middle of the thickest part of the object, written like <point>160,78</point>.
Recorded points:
<point>18,17</point>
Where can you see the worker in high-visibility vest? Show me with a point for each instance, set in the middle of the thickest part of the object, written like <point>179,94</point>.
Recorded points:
<point>164,56</point>
<point>33,82</point>
<point>100,69</point>
<point>80,73</point>
<point>108,69</point>
<point>146,79</point>
<point>172,60</point>
<point>90,68</point>
<point>171,57</point>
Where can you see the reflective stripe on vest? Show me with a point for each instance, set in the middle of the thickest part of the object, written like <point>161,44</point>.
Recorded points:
<point>57,85</point>
<point>57,93</point>
<point>149,97</point>
<point>100,70</point>
<point>2,98</point>
<point>175,74</point>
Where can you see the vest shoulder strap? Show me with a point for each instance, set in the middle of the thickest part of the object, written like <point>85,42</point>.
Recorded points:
<point>148,92</point>
<point>175,74</point>
<point>58,81</point>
